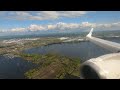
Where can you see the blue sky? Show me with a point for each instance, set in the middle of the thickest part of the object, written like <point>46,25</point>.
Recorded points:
<point>25,21</point>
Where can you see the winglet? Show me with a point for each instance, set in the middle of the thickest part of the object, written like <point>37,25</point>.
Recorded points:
<point>90,33</point>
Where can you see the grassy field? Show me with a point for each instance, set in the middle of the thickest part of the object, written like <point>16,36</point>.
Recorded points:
<point>52,66</point>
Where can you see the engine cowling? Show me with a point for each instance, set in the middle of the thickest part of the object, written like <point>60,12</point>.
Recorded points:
<point>103,67</point>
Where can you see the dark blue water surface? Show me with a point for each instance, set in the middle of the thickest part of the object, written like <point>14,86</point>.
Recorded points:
<point>14,68</point>
<point>82,50</point>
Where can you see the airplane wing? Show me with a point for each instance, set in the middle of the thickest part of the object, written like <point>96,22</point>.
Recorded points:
<point>105,66</point>
<point>111,46</point>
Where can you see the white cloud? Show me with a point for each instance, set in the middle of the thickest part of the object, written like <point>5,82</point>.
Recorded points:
<point>57,26</point>
<point>49,14</point>
<point>69,26</point>
<point>87,24</point>
<point>18,29</point>
<point>51,27</point>
<point>72,14</point>
<point>34,27</point>
<point>41,15</point>
<point>110,26</point>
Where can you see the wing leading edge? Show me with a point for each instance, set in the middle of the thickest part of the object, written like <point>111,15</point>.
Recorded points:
<point>111,46</point>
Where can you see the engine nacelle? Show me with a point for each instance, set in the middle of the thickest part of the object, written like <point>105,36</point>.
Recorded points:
<point>103,67</point>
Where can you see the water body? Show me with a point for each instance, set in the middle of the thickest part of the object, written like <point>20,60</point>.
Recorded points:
<point>82,50</point>
<point>14,68</point>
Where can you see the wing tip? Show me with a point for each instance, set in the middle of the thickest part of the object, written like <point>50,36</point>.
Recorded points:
<point>90,33</point>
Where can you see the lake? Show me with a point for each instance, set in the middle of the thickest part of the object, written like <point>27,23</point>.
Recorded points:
<point>82,50</point>
<point>14,68</point>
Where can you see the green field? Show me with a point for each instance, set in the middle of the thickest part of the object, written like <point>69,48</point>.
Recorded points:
<point>52,66</point>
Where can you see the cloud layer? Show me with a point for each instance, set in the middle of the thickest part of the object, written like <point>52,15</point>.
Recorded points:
<point>45,17</point>
<point>41,15</point>
<point>68,26</point>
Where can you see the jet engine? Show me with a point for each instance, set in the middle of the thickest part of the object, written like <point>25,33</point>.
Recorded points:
<point>103,67</point>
